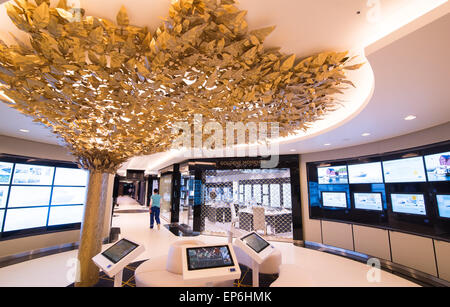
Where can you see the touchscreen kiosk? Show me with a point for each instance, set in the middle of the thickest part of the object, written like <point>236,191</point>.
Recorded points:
<point>255,246</point>
<point>115,258</point>
<point>210,263</point>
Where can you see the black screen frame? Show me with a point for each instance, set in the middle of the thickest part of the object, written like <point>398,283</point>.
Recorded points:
<point>212,267</point>
<point>111,259</point>
<point>255,234</point>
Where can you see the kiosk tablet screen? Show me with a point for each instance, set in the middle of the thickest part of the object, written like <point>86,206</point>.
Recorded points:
<point>119,250</point>
<point>199,258</point>
<point>255,242</point>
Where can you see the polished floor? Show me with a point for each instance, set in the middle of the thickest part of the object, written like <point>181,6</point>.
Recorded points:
<point>59,270</point>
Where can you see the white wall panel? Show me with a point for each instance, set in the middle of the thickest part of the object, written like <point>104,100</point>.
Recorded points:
<point>443,259</point>
<point>413,251</point>
<point>337,234</point>
<point>372,241</point>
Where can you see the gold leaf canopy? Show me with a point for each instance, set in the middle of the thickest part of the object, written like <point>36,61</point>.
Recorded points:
<point>113,90</point>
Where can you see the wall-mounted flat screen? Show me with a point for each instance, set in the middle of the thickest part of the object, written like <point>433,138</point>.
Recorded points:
<point>438,166</point>
<point>404,170</point>
<point>5,172</point>
<point>26,218</point>
<point>200,258</point>
<point>71,176</point>
<point>443,202</point>
<point>255,242</point>
<point>408,203</point>
<point>60,215</point>
<point>69,196</point>
<point>33,174</point>
<point>368,201</point>
<point>365,173</point>
<point>334,199</point>
<point>119,250</point>
<point>332,175</point>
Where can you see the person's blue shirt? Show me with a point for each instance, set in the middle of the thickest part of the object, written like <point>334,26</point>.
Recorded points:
<point>156,200</point>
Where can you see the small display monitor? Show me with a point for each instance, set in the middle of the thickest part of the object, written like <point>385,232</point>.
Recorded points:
<point>332,175</point>
<point>255,242</point>
<point>443,202</point>
<point>408,204</point>
<point>404,170</point>
<point>119,250</point>
<point>334,199</point>
<point>199,258</point>
<point>368,201</point>
<point>365,173</point>
<point>438,166</point>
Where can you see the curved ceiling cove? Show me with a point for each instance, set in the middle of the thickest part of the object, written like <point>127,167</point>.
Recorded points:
<point>102,86</point>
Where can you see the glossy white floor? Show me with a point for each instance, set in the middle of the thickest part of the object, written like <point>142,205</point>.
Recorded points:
<point>322,268</point>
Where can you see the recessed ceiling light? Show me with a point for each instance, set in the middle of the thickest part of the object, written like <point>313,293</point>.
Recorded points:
<point>24,130</point>
<point>410,117</point>
<point>365,134</point>
<point>327,144</point>
<point>293,150</point>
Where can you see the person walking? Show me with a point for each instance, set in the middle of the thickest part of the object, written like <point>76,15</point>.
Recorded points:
<point>155,203</point>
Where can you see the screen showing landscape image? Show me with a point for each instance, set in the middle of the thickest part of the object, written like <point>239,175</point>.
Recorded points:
<point>438,166</point>
<point>408,203</point>
<point>404,170</point>
<point>365,173</point>
<point>5,172</point>
<point>332,175</point>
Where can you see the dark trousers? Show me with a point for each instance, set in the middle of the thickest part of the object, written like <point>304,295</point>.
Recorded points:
<point>154,216</point>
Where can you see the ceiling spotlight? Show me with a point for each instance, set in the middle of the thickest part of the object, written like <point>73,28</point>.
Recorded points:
<point>292,150</point>
<point>410,117</point>
<point>24,130</point>
<point>327,144</point>
<point>365,134</point>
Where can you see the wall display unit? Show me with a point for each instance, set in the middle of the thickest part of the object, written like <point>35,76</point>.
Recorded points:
<point>404,170</point>
<point>334,199</point>
<point>408,203</point>
<point>365,173</point>
<point>443,202</point>
<point>438,166</point>
<point>368,201</point>
<point>38,196</point>
<point>406,190</point>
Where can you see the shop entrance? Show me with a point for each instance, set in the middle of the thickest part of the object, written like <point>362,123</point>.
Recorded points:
<point>186,217</point>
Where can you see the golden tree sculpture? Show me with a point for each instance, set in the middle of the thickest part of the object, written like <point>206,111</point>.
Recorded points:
<point>111,91</point>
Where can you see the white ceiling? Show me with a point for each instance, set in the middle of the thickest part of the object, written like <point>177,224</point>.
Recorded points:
<point>411,74</point>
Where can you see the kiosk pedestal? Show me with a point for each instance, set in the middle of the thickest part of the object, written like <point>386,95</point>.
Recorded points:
<point>113,260</point>
<point>257,249</point>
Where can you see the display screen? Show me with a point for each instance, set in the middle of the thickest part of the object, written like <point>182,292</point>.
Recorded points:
<point>368,201</point>
<point>69,196</point>
<point>332,175</point>
<point>5,172</point>
<point>334,199</point>
<point>443,202</point>
<point>33,174</point>
<point>119,250</point>
<point>23,196</point>
<point>26,218</point>
<point>61,215</point>
<point>200,258</point>
<point>408,203</point>
<point>71,176</point>
<point>404,170</point>
<point>438,166</point>
<point>365,173</point>
<point>255,242</point>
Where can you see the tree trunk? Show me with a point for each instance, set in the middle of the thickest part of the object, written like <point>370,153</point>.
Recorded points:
<point>91,229</point>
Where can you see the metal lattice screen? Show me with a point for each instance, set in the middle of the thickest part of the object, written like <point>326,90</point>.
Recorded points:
<point>259,198</point>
